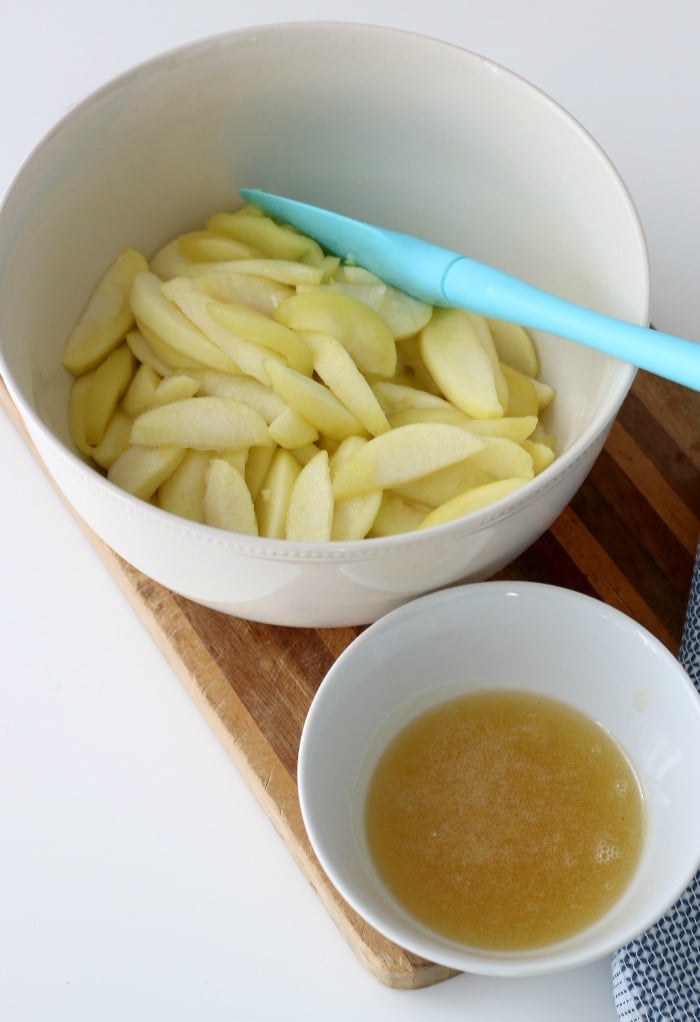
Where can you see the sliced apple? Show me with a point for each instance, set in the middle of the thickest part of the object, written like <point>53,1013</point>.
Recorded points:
<point>310,513</point>
<point>110,382</point>
<point>334,365</point>
<point>260,329</point>
<point>107,317</point>
<point>515,347</point>
<point>141,470</point>
<point>201,423</point>
<point>352,518</point>
<point>182,493</point>
<point>466,369</point>
<point>273,498</point>
<point>227,501</point>
<point>359,329</point>
<point>472,500</point>
<point>209,246</point>
<point>292,430</point>
<point>158,316</point>
<point>313,401</point>
<point>408,452</point>
<point>272,240</point>
<point>115,440</point>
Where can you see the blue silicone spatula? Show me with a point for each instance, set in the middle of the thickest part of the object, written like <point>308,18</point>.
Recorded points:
<point>441,277</point>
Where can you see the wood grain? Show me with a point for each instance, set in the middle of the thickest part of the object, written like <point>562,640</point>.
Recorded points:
<point>628,537</point>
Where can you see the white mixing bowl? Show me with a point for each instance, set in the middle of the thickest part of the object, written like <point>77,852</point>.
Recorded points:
<point>387,126</point>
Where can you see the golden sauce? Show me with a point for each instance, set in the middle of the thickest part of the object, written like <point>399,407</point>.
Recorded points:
<point>504,820</point>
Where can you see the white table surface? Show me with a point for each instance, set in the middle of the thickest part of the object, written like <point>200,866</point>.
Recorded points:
<point>138,877</point>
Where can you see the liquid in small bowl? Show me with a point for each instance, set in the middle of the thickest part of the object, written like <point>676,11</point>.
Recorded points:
<point>504,820</point>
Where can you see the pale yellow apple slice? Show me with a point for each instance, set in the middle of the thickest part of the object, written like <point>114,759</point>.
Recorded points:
<point>110,382</point>
<point>159,317</point>
<point>503,458</point>
<point>224,285</point>
<point>408,452</point>
<point>395,397</point>
<point>144,354</point>
<point>472,500</point>
<point>397,515</point>
<point>141,470</point>
<point>240,388</point>
<point>291,430</point>
<point>438,487</point>
<point>277,271</point>
<point>182,493</point>
<point>313,401</point>
<point>141,392</point>
<point>542,455</point>
<point>260,329</point>
<point>517,428</point>
<point>272,501</point>
<point>522,396</point>
<point>107,317</point>
<point>115,440</point>
<point>209,247</point>
<point>269,238</point>
<point>352,518</point>
<point>515,347</point>
<point>257,466</point>
<point>201,423</point>
<point>310,513</point>
<point>227,501</point>
<point>460,361</point>
<point>79,391</point>
<point>335,366</point>
<point>359,329</point>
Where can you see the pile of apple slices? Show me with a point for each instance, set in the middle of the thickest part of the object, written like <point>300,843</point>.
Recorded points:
<point>246,380</point>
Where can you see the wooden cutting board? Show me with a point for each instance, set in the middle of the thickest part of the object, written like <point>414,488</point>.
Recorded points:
<point>628,537</point>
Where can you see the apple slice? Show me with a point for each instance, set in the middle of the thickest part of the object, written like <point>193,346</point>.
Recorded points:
<point>313,401</point>
<point>272,502</point>
<point>182,493</point>
<point>159,317</point>
<point>227,501</point>
<point>515,347</point>
<point>353,517</point>
<point>310,514</point>
<point>202,424</point>
<point>110,382</point>
<point>272,240</point>
<point>473,500</point>
<point>405,453</point>
<point>260,329</point>
<point>115,441</point>
<point>141,470</point>
<point>107,317</point>
<point>209,247</point>
<point>359,329</point>
<point>336,368</point>
<point>463,362</point>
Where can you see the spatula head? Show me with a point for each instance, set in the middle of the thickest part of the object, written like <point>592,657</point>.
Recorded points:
<point>413,265</point>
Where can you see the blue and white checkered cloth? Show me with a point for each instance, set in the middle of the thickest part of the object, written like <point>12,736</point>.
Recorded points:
<point>656,978</point>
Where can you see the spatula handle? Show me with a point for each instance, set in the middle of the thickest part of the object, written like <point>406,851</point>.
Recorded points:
<point>482,289</point>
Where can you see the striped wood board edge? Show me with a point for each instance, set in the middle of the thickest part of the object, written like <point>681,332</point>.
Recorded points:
<point>628,537</point>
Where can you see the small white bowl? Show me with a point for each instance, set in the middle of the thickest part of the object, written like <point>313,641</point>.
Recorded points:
<point>522,636</point>
<point>453,148</point>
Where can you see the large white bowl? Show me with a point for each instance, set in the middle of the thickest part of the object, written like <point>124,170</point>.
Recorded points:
<point>384,125</point>
<point>527,637</point>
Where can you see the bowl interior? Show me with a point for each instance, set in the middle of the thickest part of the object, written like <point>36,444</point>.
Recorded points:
<point>500,635</point>
<point>459,151</point>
